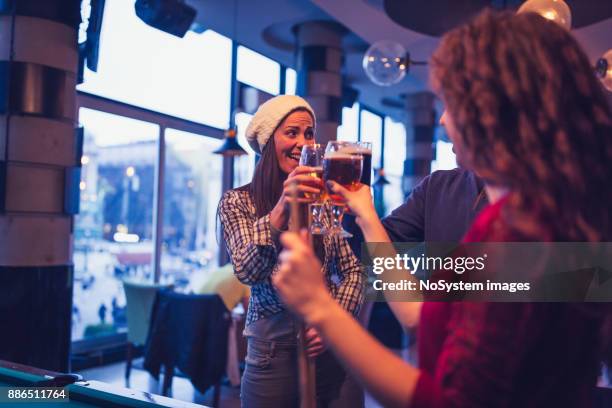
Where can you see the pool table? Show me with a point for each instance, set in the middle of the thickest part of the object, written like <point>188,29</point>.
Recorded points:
<point>82,393</point>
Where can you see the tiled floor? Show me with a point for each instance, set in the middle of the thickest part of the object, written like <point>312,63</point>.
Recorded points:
<point>181,387</point>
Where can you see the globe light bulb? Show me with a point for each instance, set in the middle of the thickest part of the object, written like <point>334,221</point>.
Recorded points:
<point>385,63</point>
<point>604,70</point>
<point>554,10</point>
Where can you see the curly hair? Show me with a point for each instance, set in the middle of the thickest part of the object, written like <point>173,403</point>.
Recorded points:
<point>531,115</point>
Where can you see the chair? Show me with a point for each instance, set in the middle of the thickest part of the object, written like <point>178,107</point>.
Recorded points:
<point>188,332</point>
<point>224,283</point>
<point>139,297</point>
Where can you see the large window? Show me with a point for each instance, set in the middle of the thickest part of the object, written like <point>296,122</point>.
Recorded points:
<point>113,231</point>
<point>258,71</point>
<point>349,129</point>
<point>395,154</point>
<point>264,74</point>
<point>192,189</point>
<point>185,77</point>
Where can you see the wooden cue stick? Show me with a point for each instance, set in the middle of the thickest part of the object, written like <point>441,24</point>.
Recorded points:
<point>305,365</point>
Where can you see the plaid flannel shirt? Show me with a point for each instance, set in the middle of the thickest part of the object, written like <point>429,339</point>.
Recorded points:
<point>254,254</point>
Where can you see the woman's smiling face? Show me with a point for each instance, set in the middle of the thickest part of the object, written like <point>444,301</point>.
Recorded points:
<point>293,133</point>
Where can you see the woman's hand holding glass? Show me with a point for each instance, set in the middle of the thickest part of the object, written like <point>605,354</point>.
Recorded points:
<point>343,163</point>
<point>307,186</point>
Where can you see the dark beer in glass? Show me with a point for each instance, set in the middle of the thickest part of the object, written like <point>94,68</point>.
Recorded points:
<point>343,164</point>
<point>365,149</point>
<point>344,169</point>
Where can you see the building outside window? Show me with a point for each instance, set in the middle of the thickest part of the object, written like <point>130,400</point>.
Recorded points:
<point>192,190</point>
<point>114,229</point>
<point>187,78</point>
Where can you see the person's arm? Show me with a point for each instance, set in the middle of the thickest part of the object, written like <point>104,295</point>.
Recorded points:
<point>480,359</point>
<point>387,377</point>
<point>350,291</point>
<point>390,380</point>
<point>253,246</point>
<point>360,202</point>
<point>478,363</point>
<point>407,222</point>
<point>304,182</point>
<point>250,244</point>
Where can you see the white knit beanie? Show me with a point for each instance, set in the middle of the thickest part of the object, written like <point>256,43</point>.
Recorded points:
<point>268,117</point>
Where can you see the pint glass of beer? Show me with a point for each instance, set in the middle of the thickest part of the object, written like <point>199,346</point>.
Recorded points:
<point>365,149</point>
<point>343,164</point>
<point>312,156</point>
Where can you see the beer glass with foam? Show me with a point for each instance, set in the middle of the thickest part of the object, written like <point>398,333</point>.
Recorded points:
<point>312,156</point>
<point>343,164</point>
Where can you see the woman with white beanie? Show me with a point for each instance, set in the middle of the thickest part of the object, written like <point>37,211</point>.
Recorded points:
<point>252,218</point>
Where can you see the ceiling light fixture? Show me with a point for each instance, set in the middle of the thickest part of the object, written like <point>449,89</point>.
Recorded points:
<point>554,10</point>
<point>230,146</point>
<point>386,62</point>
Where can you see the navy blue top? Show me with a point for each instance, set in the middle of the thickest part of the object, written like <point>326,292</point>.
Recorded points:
<point>440,208</point>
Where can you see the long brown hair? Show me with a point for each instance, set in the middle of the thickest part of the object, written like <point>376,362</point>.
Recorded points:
<point>531,115</point>
<point>267,184</point>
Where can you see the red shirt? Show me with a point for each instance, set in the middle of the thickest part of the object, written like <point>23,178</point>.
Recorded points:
<point>505,354</point>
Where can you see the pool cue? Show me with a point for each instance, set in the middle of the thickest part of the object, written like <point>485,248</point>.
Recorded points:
<point>306,365</point>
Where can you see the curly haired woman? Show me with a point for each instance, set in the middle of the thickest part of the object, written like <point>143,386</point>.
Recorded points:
<point>526,113</point>
<point>252,218</point>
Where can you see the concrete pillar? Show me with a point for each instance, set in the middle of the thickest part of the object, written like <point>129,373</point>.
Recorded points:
<point>39,178</point>
<point>319,61</point>
<point>420,148</point>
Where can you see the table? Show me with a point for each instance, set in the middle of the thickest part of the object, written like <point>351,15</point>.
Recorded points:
<point>83,394</point>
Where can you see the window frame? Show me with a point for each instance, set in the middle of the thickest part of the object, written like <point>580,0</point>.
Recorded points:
<point>108,105</point>
<point>164,121</point>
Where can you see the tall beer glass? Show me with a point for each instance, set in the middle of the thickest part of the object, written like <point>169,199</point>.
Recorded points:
<point>343,164</point>
<point>312,156</point>
<point>365,149</point>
